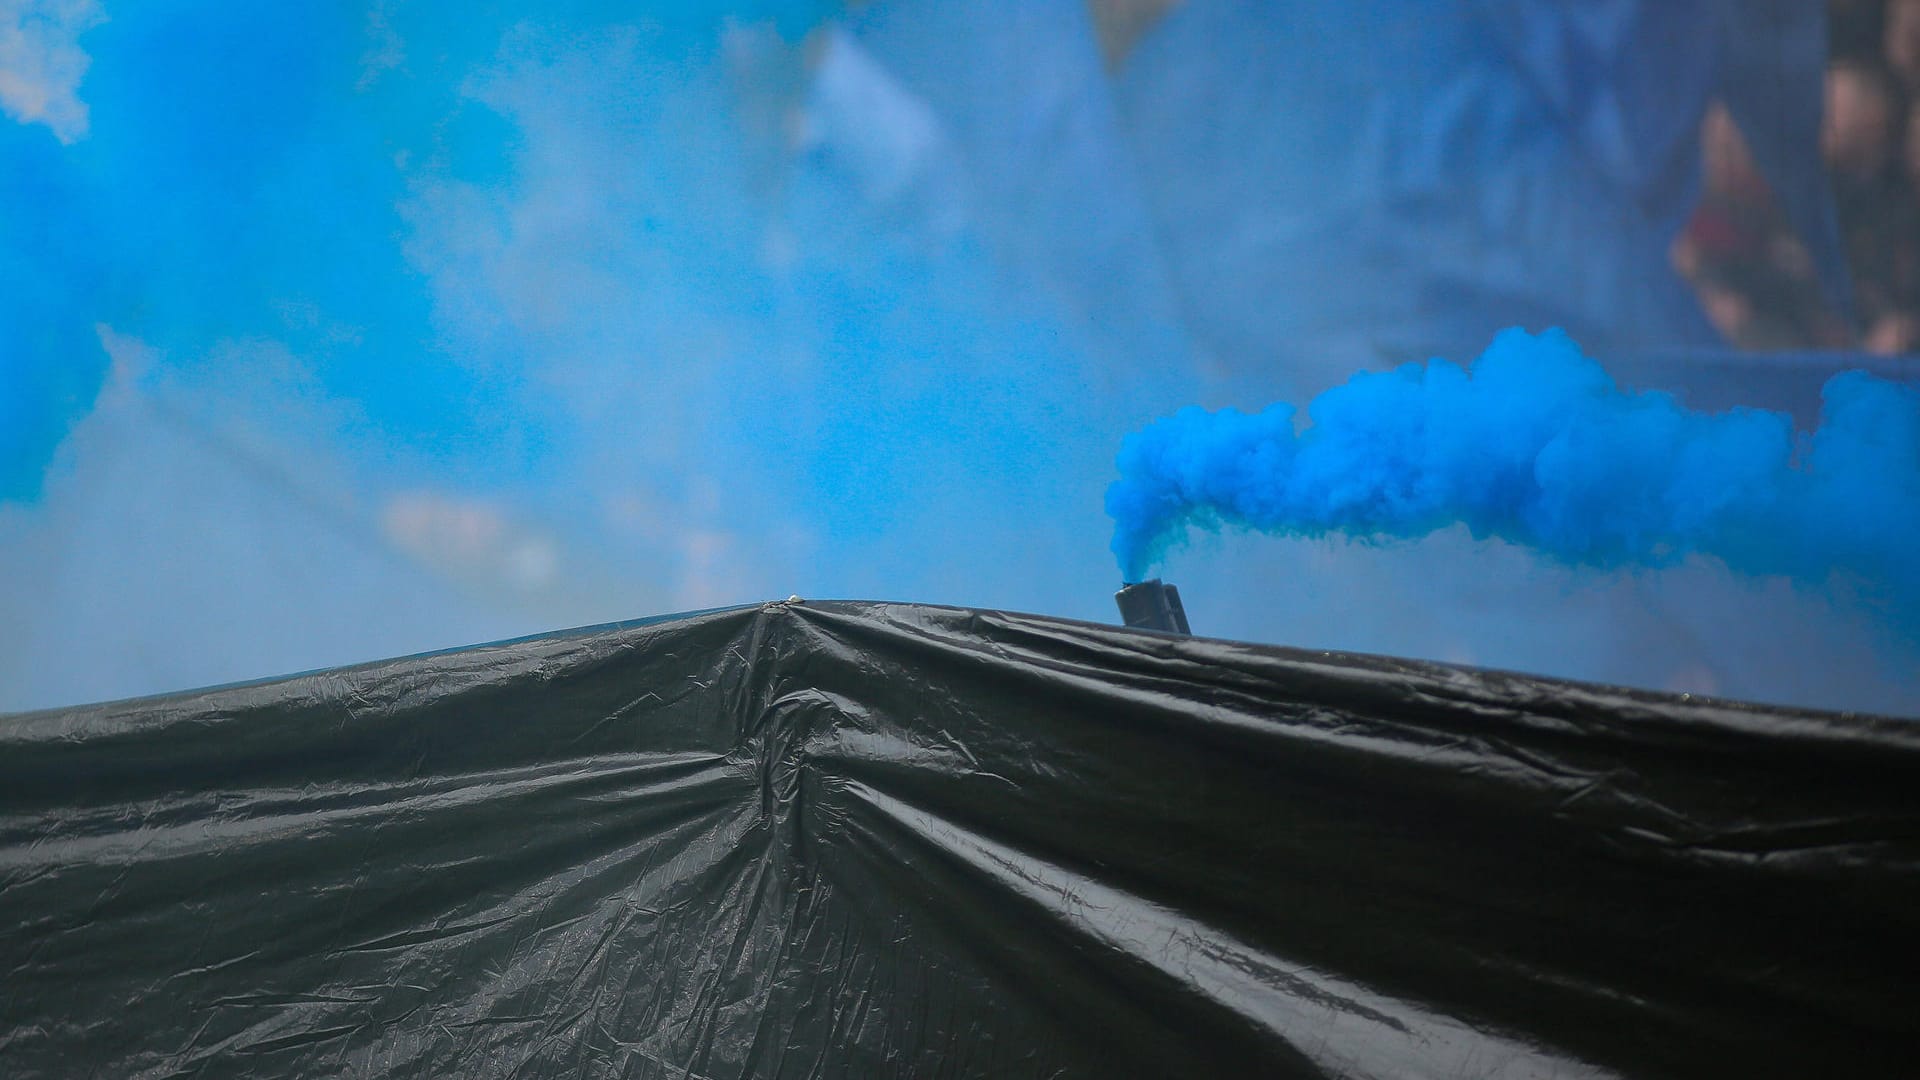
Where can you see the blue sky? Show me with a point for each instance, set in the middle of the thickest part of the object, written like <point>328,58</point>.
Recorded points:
<point>335,331</point>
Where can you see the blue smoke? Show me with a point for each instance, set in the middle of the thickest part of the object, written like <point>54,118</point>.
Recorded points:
<point>1535,444</point>
<point>337,311</point>
<point>688,304</point>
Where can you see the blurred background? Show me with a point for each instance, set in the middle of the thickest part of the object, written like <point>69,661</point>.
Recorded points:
<point>334,332</point>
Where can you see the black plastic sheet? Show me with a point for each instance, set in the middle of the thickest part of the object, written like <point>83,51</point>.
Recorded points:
<point>824,840</point>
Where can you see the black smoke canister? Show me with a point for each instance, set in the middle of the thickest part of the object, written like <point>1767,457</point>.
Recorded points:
<point>1152,605</point>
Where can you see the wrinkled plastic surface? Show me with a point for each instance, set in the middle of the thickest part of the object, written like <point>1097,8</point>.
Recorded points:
<point>882,840</point>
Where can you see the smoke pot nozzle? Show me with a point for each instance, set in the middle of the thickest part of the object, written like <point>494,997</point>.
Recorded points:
<point>1152,605</point>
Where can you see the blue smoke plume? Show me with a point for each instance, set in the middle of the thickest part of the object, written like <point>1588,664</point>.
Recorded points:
<point>1535,444</point>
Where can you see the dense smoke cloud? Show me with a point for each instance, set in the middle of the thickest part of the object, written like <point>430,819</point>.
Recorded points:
<point>1535,444</point>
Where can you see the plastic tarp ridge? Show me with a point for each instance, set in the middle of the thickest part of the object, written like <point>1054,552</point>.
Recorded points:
<point>824,840</point>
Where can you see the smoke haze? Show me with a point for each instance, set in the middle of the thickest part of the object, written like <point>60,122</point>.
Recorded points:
<point>330,332</point>
<point>1536,445</point>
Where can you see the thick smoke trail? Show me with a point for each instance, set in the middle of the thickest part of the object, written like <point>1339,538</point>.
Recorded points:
<point>1535,444</point>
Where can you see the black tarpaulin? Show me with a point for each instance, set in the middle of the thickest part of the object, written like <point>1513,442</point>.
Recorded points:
<point>836,840</point>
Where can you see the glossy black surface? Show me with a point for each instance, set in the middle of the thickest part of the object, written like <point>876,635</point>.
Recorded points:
<point>827,840</point>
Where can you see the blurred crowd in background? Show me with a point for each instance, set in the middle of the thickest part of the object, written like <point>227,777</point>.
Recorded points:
<point>1753,274</point>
